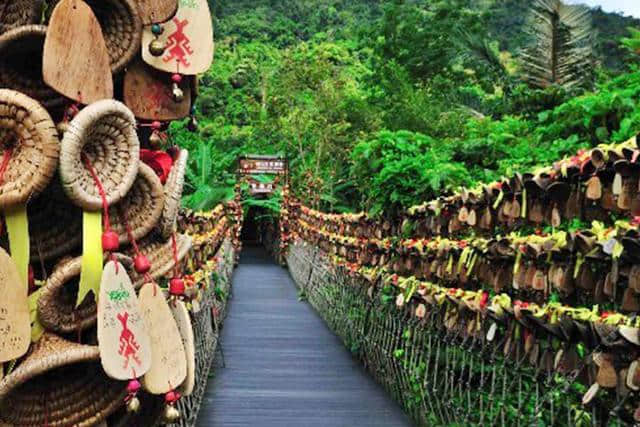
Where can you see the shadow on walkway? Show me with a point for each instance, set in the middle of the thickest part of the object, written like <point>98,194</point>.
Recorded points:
<point>284,367</point>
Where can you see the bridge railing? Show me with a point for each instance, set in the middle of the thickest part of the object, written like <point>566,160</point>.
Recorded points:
<point>470,312</point>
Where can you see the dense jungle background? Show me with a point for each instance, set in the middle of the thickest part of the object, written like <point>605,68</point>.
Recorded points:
<point>383,104</point>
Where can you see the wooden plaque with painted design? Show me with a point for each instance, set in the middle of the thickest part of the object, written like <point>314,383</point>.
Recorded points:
<point>125,348</point>
<point>148,93</point>
<point>188,40</point>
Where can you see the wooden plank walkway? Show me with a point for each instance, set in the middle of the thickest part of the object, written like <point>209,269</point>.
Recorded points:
<point>283,366</point>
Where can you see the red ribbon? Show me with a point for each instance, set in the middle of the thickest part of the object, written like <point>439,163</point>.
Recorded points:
<point>160,161</point>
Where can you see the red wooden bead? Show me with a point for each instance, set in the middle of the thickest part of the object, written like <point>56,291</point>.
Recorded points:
<point>171,397</point>
<point>176,286</point>
<point>156,125</point>
<point>133,386</point>
<point>110,241</point>
<point>176,78</point>
<point>141,264</point>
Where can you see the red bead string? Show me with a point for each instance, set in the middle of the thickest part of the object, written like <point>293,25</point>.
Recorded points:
<point>136,249</point>
<point>103,195</point>
<point>6,156</point>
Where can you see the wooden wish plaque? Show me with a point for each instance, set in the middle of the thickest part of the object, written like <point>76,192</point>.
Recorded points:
<point>149,94</point>
<point>75,61</point>
<point>188,40</point>
<point>125,348</point>
<point>153,11</point>
<point>15,323</point>
<point>183,320</point>
<point>168,358</point>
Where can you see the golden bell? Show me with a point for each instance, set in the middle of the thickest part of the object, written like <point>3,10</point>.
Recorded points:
<point>133,406</point>
<point>155,140</point>
<point>62,127</point>
<point>171,414</point>
<point>156,48</point>
<point>178,94</point>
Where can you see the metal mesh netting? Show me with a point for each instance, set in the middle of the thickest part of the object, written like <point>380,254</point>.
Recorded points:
<point>206,327</point>
<point>440,375</point>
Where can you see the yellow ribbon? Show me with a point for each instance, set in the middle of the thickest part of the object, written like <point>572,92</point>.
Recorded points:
<point>91,273</point>
<point>18,229</point>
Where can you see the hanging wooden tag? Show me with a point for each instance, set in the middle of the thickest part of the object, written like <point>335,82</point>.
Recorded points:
<point>633,376</point>
<point>15,324</point>
<point>471,218</point>
<point>188,40</point>
<point>148,93</point>
<point>169,360</point>
<point>125,349</point>
<point>616,188</point>
<point>181,316</point>
<point>630,301</point>
<point>75,60</point>
<point>463,214</point>
<point>154,11</point>
<point>594,188</point>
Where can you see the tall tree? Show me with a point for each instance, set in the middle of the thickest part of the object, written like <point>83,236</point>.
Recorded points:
<point>561,51</point>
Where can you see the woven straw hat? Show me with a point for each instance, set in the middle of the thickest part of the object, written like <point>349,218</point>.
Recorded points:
<point>33,160</point>
<point>121,28</point>
<point>173,194</point>
<point>160,255</point>
<point>142,206</point>
<point>59,383</point>
<point>57,303</point>
<point>14,13</point>
<point>21,65</point>
<point>105,132</point>
<point>55,224</point>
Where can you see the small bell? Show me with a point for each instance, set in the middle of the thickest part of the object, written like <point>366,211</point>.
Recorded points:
<point>192,125</point>
<point>171,414</point>
<point>178,94</point>
<point>133,405</point>
<point>141,264</point>
<point>155,139</point>
<point>62,127</point>
<point>157,48</point>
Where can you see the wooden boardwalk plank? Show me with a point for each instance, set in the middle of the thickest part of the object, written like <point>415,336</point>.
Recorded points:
<point>284,367</point>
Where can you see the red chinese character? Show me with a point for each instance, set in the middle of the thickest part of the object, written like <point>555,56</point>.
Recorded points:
<point>178,44</point>
<point>128,345</point>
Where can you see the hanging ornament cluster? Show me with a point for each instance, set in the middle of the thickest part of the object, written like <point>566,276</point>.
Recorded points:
<point>90,188</point>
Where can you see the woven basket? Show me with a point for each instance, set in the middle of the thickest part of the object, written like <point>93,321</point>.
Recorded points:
<point>160,255</point>
<point>15,13</point>
<point>59,383</point>
<point>173,195</point>
<point>142,206</point>
<point>57,309</point>
<point>121,28</point>
<point>105,132</point>
<point>21,65</point>
<point>33,161</point>
<point>55,224</point>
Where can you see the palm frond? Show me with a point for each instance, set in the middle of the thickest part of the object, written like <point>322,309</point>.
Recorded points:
<point>562,49</point>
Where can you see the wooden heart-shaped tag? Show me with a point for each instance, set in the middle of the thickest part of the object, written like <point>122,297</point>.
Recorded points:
<point>169,359</point>
<point>181,316</point>
<point>188,40</point>
<point>75,59</point>
<point>153,11</point>
<point>125,349</point>
<point>148,93</point>
<point>15,324</point>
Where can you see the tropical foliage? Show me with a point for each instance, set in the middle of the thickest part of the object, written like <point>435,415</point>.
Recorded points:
<point>382,104</point>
